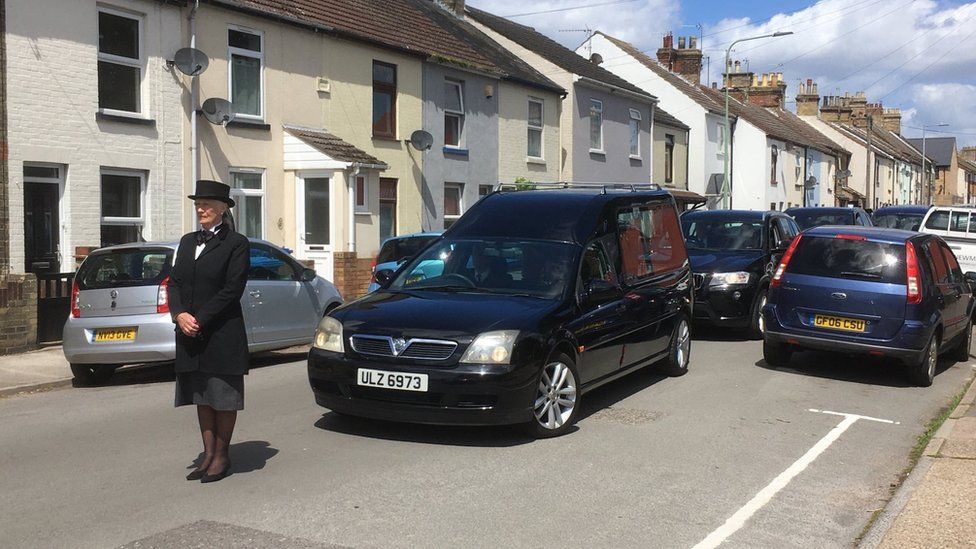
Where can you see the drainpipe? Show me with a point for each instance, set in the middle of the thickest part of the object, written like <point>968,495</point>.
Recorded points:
<point>351,244</point>
<point>194,92</point>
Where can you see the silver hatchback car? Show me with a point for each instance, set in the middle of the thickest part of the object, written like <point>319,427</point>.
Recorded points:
<point>120,315</point>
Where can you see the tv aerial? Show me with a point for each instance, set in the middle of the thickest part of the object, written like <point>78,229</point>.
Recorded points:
<point>218,111</point>
<point>421,140</point>
<point>191,61</point>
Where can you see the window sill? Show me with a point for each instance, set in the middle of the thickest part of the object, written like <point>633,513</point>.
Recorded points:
<point>363,212</point>
<point>387,138</point>
<point>249,124</point>
<point>457,151</point>
<point>535,160</point>
<point>598,151</point>
<point>125,118</point>
<point>636,157</point>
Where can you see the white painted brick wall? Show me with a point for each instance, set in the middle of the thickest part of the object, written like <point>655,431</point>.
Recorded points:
<point>52,94</point>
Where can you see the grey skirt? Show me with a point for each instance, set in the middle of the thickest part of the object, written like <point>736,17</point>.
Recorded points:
<point>220,392</point>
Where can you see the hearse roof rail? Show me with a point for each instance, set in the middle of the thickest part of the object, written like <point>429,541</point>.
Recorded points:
<point>603,187</point>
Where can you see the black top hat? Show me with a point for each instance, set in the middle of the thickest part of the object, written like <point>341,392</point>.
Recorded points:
<point>214,190</point>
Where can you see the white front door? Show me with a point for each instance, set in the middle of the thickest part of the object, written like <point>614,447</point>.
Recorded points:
<point>316,220</point>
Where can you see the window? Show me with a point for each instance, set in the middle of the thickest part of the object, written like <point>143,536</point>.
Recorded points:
<point>635,123</point>
<point>122,207</point>
<point>246,53</point>
<point>453,203</point>
<point>668,158</point>
<point>596,125</point>
<point>955,271</point>
<point>772,206</point>
<point>388,207</point>
<point>773,160</point>
<point>960,222</point>
<point>453,113</point>
<point>270,264</point>
<point>362,194</point>
<point>938,220</point>
<point>941,271</point>
<point>247,190</point>
<point>536,112</point>
<point>484,190</point>
<point>384,99</point>
<point>849,259</point>
<point>596,265</point>
<point>798,169</point>
<point>120,61</point>
<point>650,241</point>
<point>721,138</point>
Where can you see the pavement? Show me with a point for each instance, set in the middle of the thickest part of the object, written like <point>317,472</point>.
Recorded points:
<point>654,462</point>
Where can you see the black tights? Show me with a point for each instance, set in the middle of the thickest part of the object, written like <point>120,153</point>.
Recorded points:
<point>216,428</point>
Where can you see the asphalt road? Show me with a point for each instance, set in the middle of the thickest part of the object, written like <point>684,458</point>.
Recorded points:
<point>654,462</point>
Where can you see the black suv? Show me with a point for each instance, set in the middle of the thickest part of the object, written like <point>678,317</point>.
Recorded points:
<point>733,254</point>
<point>530,300</point>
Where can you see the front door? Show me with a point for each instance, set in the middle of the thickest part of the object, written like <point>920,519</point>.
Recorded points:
<point>41,228</point>
<point>315,221</point>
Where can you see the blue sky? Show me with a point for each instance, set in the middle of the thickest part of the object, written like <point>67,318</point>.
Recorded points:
<point>916,55</point>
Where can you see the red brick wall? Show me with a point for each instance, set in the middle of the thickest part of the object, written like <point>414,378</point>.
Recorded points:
<point>351,274</point>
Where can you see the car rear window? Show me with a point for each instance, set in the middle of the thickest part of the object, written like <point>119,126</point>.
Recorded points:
<point>398,249</point>
<point>810,220</point>
<point>125,268</point>
<point>907,222</point>
<point>849,259</point>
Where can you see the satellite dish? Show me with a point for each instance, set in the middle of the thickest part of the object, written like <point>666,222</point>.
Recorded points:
<point>191,61</point>
<point>421,140</point>
<point>218,111</point>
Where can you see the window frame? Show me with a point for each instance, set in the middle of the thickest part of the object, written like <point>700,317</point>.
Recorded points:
<point>596,111</point>
<point>540,128</point>
<point>773,164</point>
<point>141,221</point>
<point>364,207</point>
<point>635,116</point>
<point>457,114</point>
<point>668,158</point>
<point>238,194</point>
<point>231,51</point>
<point>385,87</point>
<point>460,189</point>
<point>142,98</point>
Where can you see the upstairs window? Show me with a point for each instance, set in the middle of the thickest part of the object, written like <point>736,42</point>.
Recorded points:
<point>596,125</point>
<point>453,113</point>
<point>536,111</point>
<point>384,100</point>
<point>635,124</point>
<point>246,54</point>
<point>120,66</point>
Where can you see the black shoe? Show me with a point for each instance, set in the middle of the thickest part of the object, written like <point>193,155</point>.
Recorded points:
<point>219,476</point>
<point>197,474</point>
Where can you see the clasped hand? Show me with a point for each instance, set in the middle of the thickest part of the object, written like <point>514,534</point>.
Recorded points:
<point>188,324</point>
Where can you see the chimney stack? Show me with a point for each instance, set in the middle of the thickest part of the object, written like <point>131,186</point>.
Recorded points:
<point>836,109</point>
<point>769,90</point>
<point>807,99</point>
<point>455,6</point>
<point>892,120</point>
<point>686,60</point>
<point>666,53</point>
<point>736,80</point>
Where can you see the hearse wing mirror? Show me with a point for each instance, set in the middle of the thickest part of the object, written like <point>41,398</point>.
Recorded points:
<point>383,276</point>
<point>599,291</point>
<point>308,275</point>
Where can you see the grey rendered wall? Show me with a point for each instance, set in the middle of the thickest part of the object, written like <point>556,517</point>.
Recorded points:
<point>616,165</point>
<point>480,140</point>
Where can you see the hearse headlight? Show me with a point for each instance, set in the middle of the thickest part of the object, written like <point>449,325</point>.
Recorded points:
<point>328,335</point>
<point>491,348</point>
<point>726,279</point>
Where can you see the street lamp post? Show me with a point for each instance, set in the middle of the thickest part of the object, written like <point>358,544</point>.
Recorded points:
<point>726,184</point>
<point>928,184</point>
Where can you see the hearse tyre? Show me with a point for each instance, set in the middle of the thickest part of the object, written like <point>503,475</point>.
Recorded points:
<point>677,362</point>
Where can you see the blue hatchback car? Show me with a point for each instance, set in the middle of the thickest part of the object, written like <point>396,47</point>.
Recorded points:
<point>872,291</point>
<point>397,249</point>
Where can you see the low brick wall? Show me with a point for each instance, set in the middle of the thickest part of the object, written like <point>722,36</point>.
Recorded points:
<point>18,313</point>
<point>351,274</point>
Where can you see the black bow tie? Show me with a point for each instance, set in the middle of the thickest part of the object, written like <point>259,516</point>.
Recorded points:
<point>204,236</point>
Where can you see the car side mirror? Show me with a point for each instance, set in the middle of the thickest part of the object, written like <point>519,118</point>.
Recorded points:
<point>971,280</point>
<point>782,246</point>
<point>383,276</point>
<point>308,275</point>
<point>599,291</point>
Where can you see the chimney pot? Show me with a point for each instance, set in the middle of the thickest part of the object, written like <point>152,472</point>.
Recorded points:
<point>668,41</point>
<point>809,81</point>
<point>814,89</point>
<point>738,66</point>
<point>693,40</point>
<point>681,42</point>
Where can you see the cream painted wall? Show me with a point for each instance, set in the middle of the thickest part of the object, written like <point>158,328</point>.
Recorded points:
<point>294,60</point>
<point>513,108</point>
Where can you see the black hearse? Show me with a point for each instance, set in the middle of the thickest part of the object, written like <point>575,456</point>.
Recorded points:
<point>530,300</point>
<point>733,254</point>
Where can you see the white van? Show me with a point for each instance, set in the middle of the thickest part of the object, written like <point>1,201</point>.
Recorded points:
<point>957,226</point>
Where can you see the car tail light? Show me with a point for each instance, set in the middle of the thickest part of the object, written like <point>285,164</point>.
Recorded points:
<point>778,275</point>
<point>850,237</point>
<point>75,308</point>
<point>162,297</point>
<point>914,289</point>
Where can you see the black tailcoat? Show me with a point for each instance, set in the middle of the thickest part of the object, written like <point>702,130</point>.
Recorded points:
<point>210,288</point>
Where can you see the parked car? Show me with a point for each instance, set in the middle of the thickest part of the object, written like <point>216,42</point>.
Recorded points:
<point>120,315</point>
<point>542,295</point>
<point>957,226</point>
<point>908,218</point>
<point>816,217</point>
<point>396,249</point>
<point>733,254</point>
<point>882,292</point>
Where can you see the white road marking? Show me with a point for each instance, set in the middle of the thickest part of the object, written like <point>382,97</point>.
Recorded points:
<point>738,520</point>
